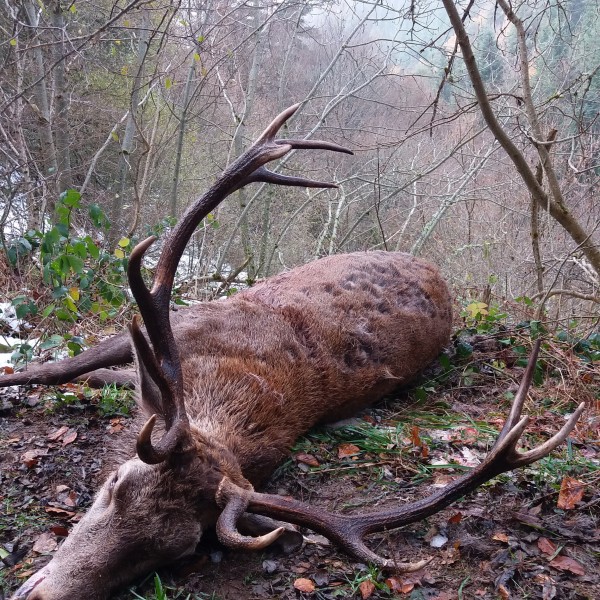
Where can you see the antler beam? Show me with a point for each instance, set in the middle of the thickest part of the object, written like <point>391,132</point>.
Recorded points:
<point>159,361</point>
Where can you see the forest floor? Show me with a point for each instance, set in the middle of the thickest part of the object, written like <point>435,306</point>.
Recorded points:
<point>519,536</point>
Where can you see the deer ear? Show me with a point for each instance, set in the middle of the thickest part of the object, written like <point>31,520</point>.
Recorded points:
<point>149,397</point>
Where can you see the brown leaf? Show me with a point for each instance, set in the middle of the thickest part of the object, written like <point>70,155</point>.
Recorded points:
<point>60,512</point>
<point>546,546</point>
<point>465,435</point>
<point>8,370</point>
<point>307,459</point>
<point>394,584</point>
<point>30,458</point>
<point>45,543</point>
<point>71,499</point>
<point>69,437</point>
<point>304,585</point>
<point>503,592</point>
<point>399,586</point>
<point>366,589</point>
<point>500,537</point>
<point>115,427</point>
<point>57,434</point>
<point>571,492</point>
<point>457,518</point>
<point>59,530</point>
<point>347,450</point>
<point>25,574</point>
<point>564,563</point>
<point>414,436</point>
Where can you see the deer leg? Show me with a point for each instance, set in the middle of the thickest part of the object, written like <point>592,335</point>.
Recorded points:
<point>123,378</point>
<point>109,353</point>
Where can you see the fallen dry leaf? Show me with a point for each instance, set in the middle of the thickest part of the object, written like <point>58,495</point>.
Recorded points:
<point>31,457</point>
<point>457,518</point>
<point>69,437</point>
<point>503,592</point>
<point>59,512</point>
<point>366,589</point>
<point>500,537</point>
<point>414,436</point>
<point>45,543</point>
<point>70,499</point>
<point>546,546</point>
<point>8,370</point>
<point>307,459</point>
<point>25,574</point>
<point>347,450</point>
<point>115,427</point>
<point>304,585</point>
<point>564,563</point>
<point>394,584</point>
<point>571,492</point>
<point>399,586</point>
<point>57,434</point>
<point>59,530</point>
<point>465,435</point>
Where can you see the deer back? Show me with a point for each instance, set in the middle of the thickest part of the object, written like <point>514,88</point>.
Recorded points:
<point>307,346</point>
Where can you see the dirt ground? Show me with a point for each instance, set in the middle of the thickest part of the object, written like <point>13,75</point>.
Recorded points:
<point>509,539</point>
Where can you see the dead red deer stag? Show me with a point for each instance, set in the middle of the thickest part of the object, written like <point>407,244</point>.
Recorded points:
<point>226,391</point>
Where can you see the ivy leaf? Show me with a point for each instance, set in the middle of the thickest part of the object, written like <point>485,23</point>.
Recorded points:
<point>71,198</point>
<point>92,249</point>
<point>52,342</point>
<point>75,263</point>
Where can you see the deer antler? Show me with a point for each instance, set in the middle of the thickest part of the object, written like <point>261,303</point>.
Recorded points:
<point>159,361</point>
<point>348,531</point>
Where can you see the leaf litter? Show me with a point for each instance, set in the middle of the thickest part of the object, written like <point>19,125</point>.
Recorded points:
<point>509,539</point>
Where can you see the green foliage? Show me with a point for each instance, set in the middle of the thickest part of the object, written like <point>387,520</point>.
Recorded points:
<point>79,277</point>
<point>160,593</point>
<point>481,317</point>
<point>114,401</point>
<point>588,349</point>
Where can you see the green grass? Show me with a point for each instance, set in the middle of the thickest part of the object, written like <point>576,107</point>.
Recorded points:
<point>163,592</point>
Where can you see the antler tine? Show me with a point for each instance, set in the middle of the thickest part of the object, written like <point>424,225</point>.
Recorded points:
<point>526,458</point>
<point>159,364</point>
<point>263,175</point>
<point>348,531</point>
<point>277,123</point>
<point>521,395</point>
<point>234,507</point>
<point>244,170</point>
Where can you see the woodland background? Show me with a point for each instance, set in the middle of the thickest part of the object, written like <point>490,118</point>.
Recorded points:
<point>114,116</point>
<point>475,130</point>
